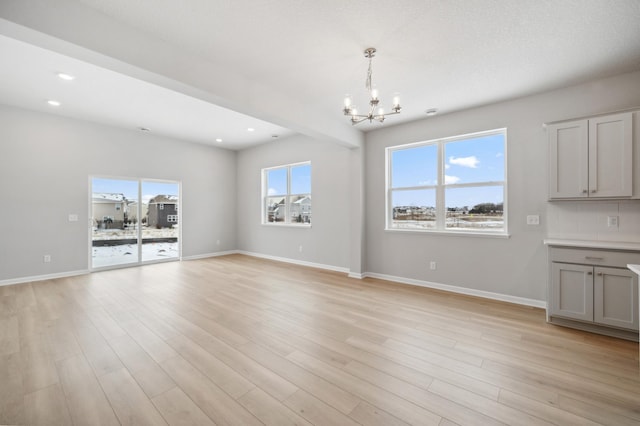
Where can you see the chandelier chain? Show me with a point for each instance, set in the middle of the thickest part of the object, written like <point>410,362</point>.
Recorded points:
<point>367,84</point>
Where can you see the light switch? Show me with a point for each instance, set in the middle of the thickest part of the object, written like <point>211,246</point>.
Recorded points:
<point>533,219</point>
<point>612,221</point>
<point>73,218</point>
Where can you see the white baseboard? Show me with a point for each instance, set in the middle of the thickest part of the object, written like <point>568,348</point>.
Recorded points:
<point>462,290</point>
<point>295,261</point>
<point>43,277</point>
<point>356,275</point>
<point>206,255</point>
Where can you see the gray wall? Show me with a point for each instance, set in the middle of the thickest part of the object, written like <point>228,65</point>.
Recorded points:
<point>45,164</point>
<point>514,266</point>
<point>327,242</point>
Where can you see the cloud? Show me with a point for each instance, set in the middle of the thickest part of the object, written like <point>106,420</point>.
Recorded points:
<point>447,166</point>
<point>471,162</point>
<point>451,179</point>
<point>498,155</point>
<point>272,191</point>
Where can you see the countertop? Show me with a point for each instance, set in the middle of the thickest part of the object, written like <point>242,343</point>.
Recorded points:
<point>610,245</point>
<point>634,268</point>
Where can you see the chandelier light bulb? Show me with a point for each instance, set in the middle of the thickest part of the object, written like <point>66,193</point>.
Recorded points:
<point>396,101</point>
<point>374,93</point>
<point>354,111</point>
<point>380,111</point>
<point>347,101</point>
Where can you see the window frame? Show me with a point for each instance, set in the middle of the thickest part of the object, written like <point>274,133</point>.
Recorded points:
<point>287,197</point>
<point>440,187</point>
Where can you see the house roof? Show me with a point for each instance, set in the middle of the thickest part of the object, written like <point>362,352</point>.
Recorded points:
<point>303,200</point>
<point>165,199</point>
<point>108,197</point>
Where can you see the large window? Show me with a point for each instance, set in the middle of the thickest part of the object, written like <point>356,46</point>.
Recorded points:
<point>456,184</point>
<point>286,194</point>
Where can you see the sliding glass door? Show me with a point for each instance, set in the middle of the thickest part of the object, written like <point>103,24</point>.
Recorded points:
<point>133,221</point>
<point>161,231</point>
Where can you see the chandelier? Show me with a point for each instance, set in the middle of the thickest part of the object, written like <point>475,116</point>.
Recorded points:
<point>373,114</point>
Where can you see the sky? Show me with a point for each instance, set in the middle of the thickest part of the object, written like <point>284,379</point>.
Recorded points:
<point>300,180</point>
<point>130,188</point>
<point>479,159</point>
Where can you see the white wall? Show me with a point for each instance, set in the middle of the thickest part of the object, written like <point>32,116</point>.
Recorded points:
<point>45,164</point>
<point>514,266</point>
<point>327,242</point>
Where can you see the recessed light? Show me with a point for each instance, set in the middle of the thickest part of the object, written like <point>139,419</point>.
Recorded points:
<point>64,76</point>
<point>251,129</point>
<point>274,136</point>
<point>144,129</point>
<point>53,103</point>
<point>431,111</point>
<point>218,140</point>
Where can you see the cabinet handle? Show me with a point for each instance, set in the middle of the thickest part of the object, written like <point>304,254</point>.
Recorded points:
<point>599,274</point>
<point>593,190</point>
<point>589,273</point>
<point>593,258</point>
<point>584,191</point>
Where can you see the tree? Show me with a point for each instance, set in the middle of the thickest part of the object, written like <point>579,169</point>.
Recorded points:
<point>487,208</point>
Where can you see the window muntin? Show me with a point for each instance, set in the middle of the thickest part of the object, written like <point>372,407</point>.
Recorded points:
<point>286,194</point>
<point>454,185</point>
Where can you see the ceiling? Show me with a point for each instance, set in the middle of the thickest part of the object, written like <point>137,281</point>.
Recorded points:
<point>199,70</point>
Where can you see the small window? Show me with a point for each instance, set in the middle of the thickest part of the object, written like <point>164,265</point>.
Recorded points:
<point>456,184</point>
<point>172,218</point>
<point>286,194</point>
<point>161,206</point>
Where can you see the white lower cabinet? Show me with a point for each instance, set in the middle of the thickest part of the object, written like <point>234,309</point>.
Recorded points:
<point>593,287</point>
<point>596,294</point>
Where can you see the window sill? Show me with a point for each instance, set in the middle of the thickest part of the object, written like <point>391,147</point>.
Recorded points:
<point>287,225</point>
<point>502,235</point>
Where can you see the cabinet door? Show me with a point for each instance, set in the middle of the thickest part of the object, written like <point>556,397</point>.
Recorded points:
<point>615,297</point>
<point>568,160</point>
<point>610,156</point>
<point>572,291</point>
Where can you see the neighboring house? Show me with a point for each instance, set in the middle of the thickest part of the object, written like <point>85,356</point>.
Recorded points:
<point>301,210</point>
<point>132,211</point>
<point>276,212</point>
<point>163,211</point>
<point>109,210</point>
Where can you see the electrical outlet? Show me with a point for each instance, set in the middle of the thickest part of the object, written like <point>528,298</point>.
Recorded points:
<point>533,219</point>
<point>432,265</point>
<point>46,258</point>
<point>73,217</point>
<point>612,221</point>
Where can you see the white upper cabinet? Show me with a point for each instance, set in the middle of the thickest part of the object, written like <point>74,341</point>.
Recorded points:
<point>591,158</point>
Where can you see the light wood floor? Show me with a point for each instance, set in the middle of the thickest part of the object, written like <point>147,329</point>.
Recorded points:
<point>237,340</point>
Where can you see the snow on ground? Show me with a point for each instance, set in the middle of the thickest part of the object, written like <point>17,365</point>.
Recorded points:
<point>116,234</point>
<point>128,253</point>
